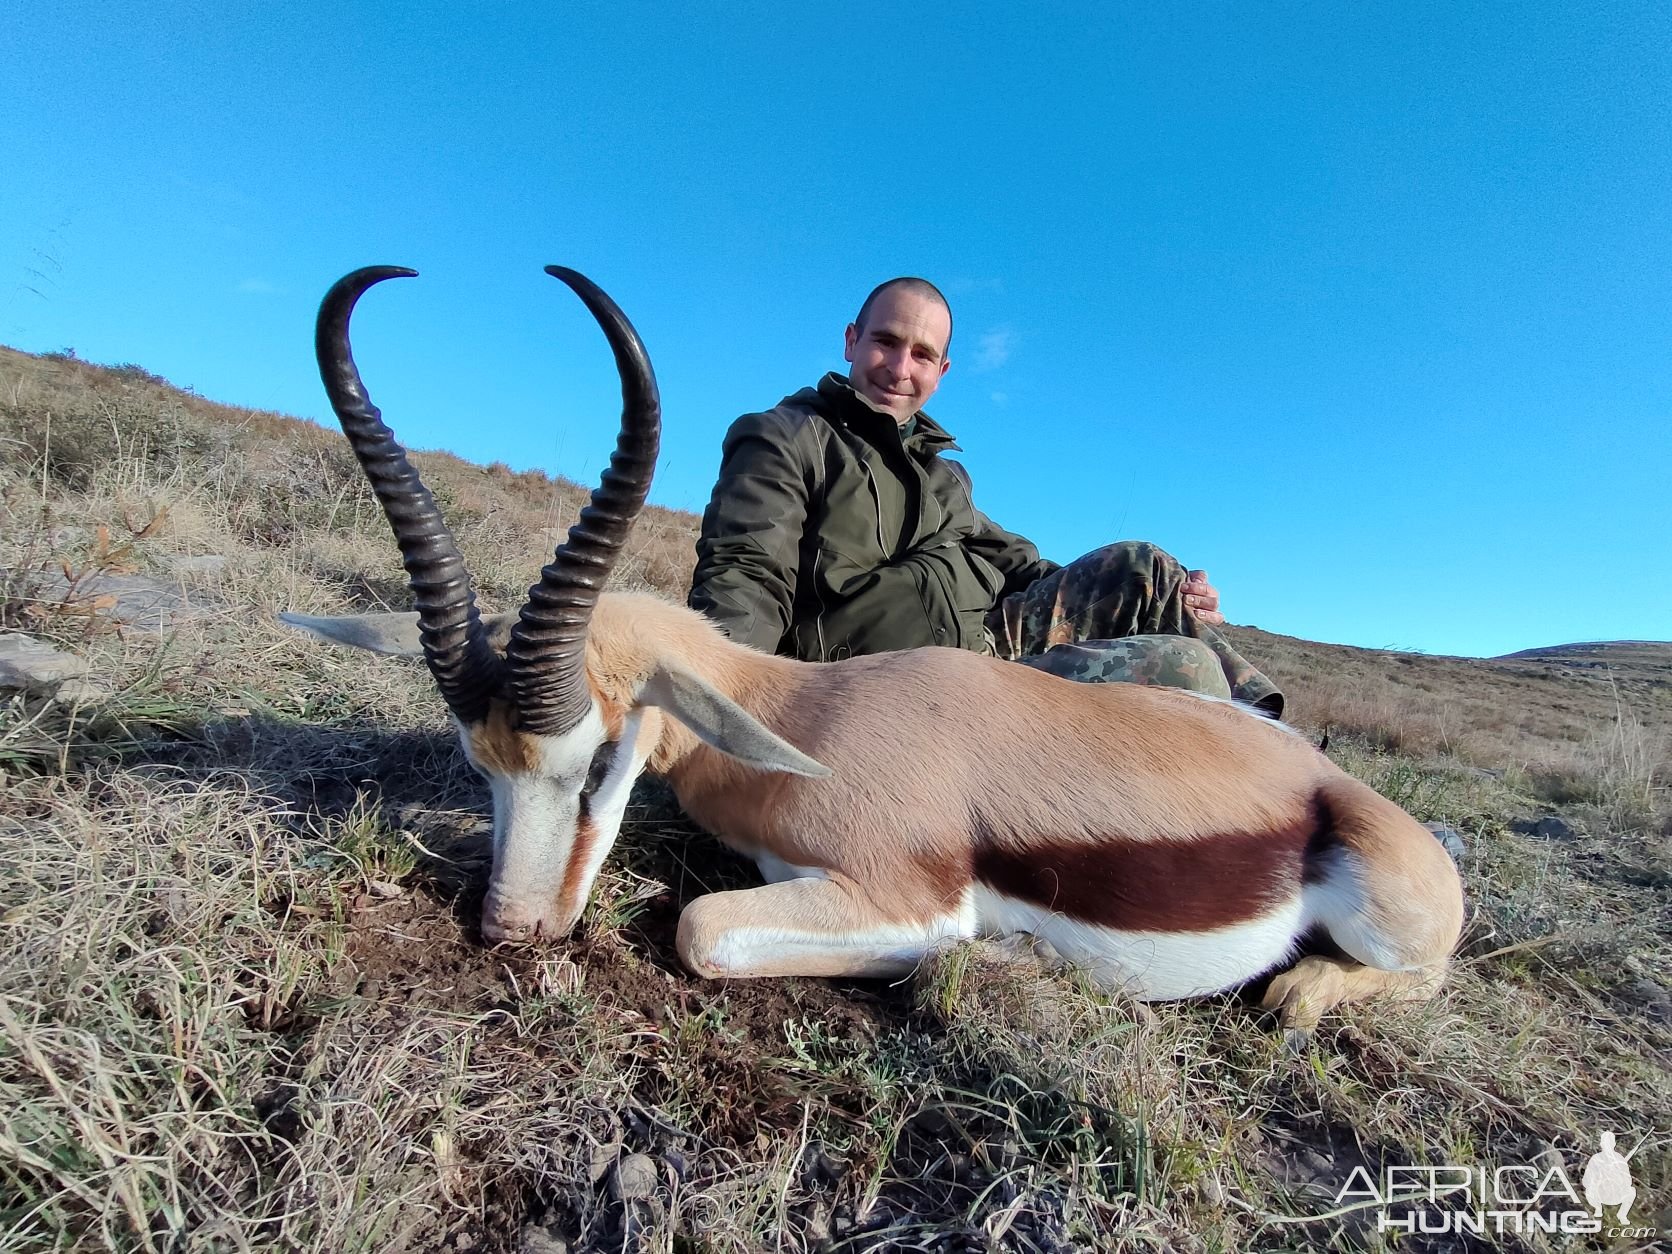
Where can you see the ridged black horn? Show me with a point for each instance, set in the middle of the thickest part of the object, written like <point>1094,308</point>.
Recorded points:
<point>548,645</point>
<point>466,669</point>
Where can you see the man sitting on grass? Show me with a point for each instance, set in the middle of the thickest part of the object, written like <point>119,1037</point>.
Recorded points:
<point>838,527</point>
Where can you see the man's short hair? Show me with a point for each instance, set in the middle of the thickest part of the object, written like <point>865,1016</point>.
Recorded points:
<point>911,283</point>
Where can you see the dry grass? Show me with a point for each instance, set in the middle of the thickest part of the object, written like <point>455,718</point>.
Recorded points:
<point>243,1005</point>
<point>1567,725</point>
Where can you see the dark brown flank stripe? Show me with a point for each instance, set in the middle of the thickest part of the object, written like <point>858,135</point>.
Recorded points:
<point>569,891</point>
<point>1162,886</point>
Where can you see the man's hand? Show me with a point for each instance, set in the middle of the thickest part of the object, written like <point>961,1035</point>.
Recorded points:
<point>1202,598</point>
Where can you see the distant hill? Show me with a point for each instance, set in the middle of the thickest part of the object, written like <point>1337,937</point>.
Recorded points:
<point>1609,652</point>
<point>1633,668</point>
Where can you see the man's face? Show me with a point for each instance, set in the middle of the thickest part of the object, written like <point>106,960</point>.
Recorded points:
<point>898,357</point>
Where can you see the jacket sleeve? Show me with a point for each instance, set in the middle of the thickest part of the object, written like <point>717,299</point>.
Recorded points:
<point>749,551</point>
<point>1014,556</point>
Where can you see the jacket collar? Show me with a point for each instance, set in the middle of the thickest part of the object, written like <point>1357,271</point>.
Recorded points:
<point>843,403</point>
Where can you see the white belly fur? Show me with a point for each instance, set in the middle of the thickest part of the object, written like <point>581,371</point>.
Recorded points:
<point>1152,966</point>
<point>774,870</point>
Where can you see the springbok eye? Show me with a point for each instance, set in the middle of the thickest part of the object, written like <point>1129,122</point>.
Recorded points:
<point>600,767</point>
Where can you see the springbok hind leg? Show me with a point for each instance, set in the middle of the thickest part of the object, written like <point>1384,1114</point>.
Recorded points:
<point>808,926</point>
<point>1316,985</point>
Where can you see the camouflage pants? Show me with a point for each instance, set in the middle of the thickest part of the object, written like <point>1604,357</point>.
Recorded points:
<point>1118,614</point>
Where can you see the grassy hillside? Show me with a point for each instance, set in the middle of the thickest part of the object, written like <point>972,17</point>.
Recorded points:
<point>244,1005</point>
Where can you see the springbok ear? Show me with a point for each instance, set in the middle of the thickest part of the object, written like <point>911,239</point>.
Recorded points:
<point>722,724</point>
<point>394,633</point>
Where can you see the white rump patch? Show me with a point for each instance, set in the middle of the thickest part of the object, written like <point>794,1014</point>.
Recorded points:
<point>1337,902</point>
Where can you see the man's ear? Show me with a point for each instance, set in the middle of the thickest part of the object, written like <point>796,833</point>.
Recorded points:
<point>722,724</point>
<point>394,633</point>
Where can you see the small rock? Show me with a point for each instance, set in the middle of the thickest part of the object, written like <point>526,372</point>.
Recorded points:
<point>817,1229</point>
<point>537,1240</point>
<point>207,564</point>
<point>80,692</point>
<point>139,601</point>
<point>1541,1153</point>
<point>819,1170</point>
<point>1550,827</point>
<point>1655,999</point>
<point>603,1158</point>
<point>36,666</point>
<point>636,1177</point>
<point>1451,840</point>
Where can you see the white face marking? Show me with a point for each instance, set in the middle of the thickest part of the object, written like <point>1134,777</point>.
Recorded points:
<point>607,806</point>
<point>1152,966</point>
<point>536,815</point>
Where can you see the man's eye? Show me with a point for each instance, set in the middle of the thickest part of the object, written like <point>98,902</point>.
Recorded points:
<point>599,769</point>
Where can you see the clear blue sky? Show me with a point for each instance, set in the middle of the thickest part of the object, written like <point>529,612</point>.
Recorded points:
<point>1367,309</point>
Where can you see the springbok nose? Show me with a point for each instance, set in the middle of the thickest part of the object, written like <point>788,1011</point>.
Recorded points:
<point>504,922</point>
<point>499,933</point>
<point>501,927</point>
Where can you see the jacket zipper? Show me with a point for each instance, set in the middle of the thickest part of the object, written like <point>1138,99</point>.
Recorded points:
<point>876,499</point>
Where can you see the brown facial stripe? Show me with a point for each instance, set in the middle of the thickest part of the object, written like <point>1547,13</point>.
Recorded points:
<point>1160,886</point>
<point>568,895</point>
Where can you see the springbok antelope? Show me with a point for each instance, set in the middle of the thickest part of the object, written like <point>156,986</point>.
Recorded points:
<point>1170,845</point>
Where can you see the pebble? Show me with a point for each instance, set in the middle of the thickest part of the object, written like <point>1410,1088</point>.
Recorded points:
<point>636,1176</point>
<point>1451,840</point>
<point>1550,827</point>
<point>35,666</point>
<point>538,1240</point>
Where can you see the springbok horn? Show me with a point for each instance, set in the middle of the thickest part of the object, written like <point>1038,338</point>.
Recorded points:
<point>465,667</point>
<point>547,652</point>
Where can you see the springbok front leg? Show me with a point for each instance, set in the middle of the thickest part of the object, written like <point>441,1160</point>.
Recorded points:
<point>811,926</point>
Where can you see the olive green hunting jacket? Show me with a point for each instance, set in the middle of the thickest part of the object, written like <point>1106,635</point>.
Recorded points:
<point>829,535</point>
